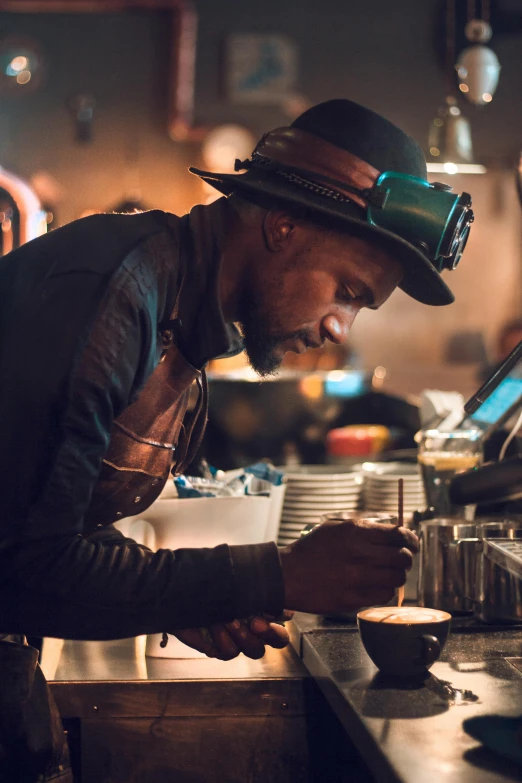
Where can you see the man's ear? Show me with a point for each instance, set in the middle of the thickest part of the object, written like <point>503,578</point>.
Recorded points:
<point>278,230</point>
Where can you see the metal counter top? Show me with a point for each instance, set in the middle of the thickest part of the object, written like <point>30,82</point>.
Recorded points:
<point>405,733</point>
<point>413,733</point>
<point>115,679</point>
<point>132,718</point>
<point>125,660</point>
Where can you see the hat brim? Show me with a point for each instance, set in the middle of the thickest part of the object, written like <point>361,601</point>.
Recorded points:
<point>421,280</point>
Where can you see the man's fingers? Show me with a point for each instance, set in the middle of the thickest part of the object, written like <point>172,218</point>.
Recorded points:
<point>246,641</point>
<point>389,557</point>
<point>227,641</point>
<point>198,639</point>
<point>271,633</point>
<point>384,534</point>
<point>225,645</point>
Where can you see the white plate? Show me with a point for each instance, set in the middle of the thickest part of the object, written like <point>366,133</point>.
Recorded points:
<point>326,489</point>
<point>408,512</point>
<point>305,498</point>
<point>318,472</point>
<point>385,484</point>
<point>394,510</point>
<point>391,471</point>
<point>393,496</point>
<point>412,496</point>
<point>320,509</point>
<point>316,486</point>
<point>319,498</point>
<point>371,502</point>
<point>393,491</point>
<point>407,506</point>
<point>299,504</point>
<point>386,481</point>
<point>321,486</point>
<point>335,489</point>
<point>369,496</point>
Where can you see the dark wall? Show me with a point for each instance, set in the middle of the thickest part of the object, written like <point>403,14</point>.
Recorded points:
<point>386,54</point>
<point>121,59</point>
<point>379,52</point>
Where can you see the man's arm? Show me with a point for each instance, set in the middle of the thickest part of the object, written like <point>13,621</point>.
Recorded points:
<point>55,581</point>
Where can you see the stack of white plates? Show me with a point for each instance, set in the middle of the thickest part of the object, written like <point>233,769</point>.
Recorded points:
<point>381,487</point>
<point>314,490</point>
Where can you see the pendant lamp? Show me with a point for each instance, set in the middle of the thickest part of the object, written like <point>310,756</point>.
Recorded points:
<point>450,148</point>
<point>450,145</point>
<point>478,68</point>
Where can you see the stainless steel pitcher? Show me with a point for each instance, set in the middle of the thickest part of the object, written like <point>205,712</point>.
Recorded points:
<point>446,568</point>
<point>456,575</point>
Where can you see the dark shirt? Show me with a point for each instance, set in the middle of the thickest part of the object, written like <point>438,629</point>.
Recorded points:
<point>56,411</point>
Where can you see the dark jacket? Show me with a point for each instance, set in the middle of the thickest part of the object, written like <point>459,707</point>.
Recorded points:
<point>83,310</point>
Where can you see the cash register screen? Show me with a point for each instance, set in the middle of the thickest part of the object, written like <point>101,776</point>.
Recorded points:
<point>500,402</point>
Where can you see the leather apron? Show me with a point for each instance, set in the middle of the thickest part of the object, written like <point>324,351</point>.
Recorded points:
<point>154,435</point>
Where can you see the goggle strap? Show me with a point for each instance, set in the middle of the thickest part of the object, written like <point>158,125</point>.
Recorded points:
<point>303,177</point>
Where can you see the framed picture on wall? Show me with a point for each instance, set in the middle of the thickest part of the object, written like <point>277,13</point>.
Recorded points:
<point>260,69</point>
<point>180,67</point>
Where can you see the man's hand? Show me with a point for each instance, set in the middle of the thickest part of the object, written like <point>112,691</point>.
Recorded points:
<point>341,566</point>
<point>228,640</point>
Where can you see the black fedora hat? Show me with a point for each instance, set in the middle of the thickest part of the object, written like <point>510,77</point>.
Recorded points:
<point>317,161</point>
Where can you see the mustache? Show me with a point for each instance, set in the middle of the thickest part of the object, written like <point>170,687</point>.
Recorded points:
<point>301,335</point>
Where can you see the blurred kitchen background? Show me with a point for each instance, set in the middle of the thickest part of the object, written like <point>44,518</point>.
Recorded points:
<point>104,105</point>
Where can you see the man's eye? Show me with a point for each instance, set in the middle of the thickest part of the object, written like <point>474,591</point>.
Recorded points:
<point>345,295</point>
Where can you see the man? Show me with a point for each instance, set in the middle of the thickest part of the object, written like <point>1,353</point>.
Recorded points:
<point>107,323</point>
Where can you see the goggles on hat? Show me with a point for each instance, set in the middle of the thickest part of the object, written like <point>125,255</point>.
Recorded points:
<point>429,216</point>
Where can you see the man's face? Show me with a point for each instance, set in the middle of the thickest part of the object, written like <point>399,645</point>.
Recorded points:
<point>306,285</point>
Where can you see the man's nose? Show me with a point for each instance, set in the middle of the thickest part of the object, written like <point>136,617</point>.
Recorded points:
<point>337,327</point>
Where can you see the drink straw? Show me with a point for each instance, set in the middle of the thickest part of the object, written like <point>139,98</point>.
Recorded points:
<point>400,523</point>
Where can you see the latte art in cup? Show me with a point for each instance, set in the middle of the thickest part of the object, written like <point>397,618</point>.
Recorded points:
<point>403,641</point>
<point>403,615</point>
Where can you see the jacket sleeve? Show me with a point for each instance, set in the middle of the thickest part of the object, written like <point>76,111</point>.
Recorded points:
<point>54,580</point>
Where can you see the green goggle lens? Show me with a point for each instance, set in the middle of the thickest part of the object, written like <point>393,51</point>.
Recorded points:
<point>429,216</point>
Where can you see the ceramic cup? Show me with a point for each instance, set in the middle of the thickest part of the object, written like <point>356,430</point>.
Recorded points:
<point>403,641</point>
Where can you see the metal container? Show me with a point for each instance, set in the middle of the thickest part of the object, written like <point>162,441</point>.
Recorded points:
<point>498,589</point>
<point>446,569</point>
<point>458,572</point>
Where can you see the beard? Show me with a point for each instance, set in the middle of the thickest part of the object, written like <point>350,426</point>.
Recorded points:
<point>262,342</point>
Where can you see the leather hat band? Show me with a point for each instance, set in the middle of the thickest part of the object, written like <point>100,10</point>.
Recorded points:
<point>304,156</point>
